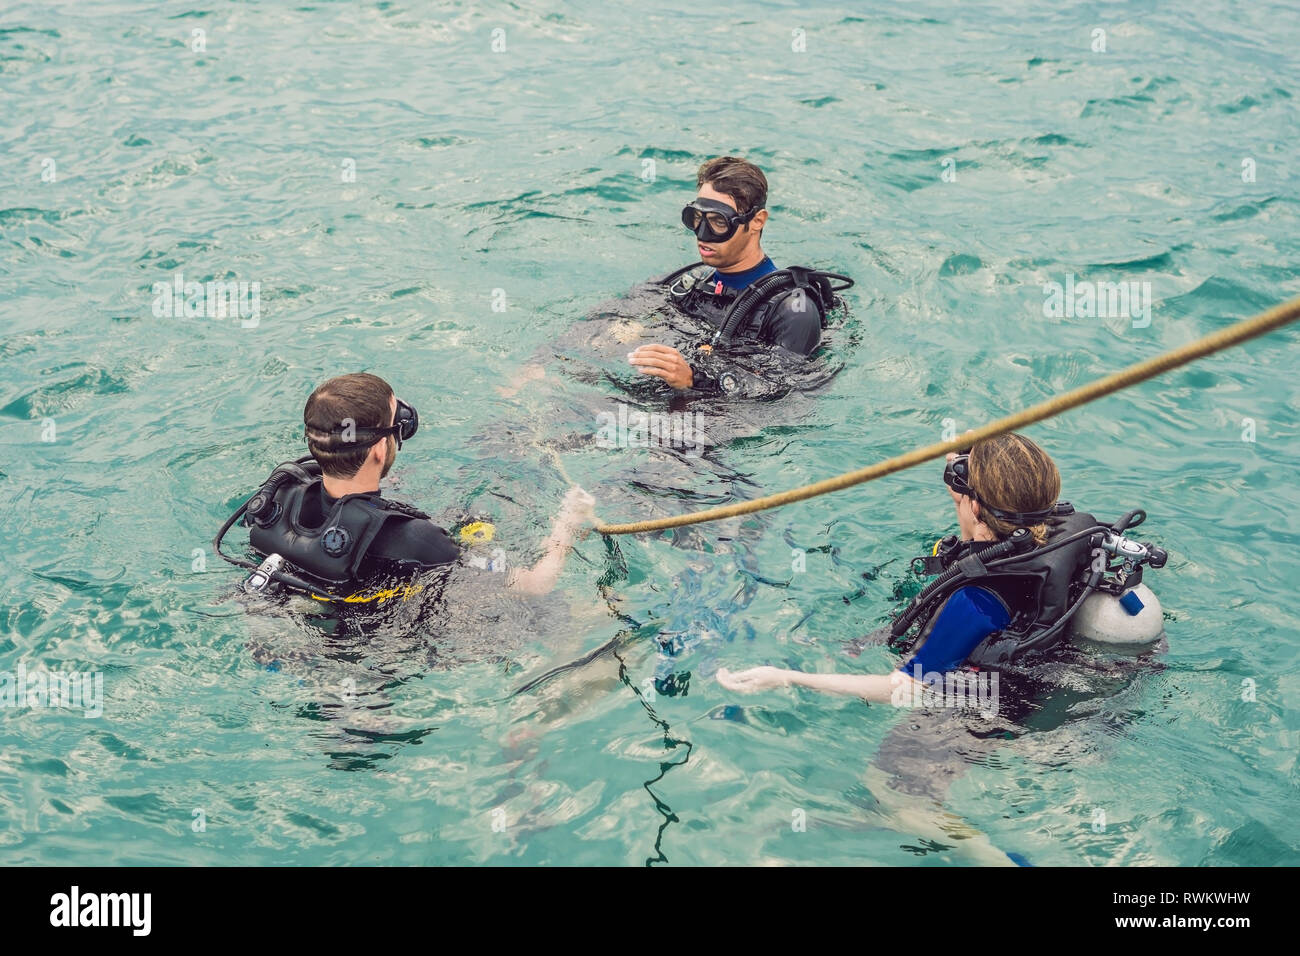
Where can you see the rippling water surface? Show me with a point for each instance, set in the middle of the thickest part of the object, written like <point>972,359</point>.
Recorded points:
<point>420,195</point>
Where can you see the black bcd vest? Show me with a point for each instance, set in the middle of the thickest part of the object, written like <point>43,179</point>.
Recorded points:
<point>1036,590</point>
<point>688,295</point>
<point>332,551</point>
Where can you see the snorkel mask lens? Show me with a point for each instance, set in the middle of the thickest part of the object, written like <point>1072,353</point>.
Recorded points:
<point>712,221</point>
<point>406,422</point>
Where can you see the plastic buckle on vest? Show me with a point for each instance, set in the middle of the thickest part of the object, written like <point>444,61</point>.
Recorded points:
<point>928,564</point>
<point>802,276</point>
<point>971,566</point>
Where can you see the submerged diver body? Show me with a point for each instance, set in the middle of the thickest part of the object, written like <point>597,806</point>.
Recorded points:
<point>672,373</point>
<point>745,330</point>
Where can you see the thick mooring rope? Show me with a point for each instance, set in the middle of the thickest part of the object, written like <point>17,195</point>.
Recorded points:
<point>1242,331</point>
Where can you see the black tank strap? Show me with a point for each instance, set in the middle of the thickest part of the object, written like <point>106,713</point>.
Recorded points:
<point>364,516</point>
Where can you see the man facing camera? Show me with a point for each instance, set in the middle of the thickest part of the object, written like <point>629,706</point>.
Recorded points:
<point>742,294</point>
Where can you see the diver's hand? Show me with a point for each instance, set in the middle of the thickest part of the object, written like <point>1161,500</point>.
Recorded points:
<point>577,512</point>
<point>754,679</point>
<point>663,361</point>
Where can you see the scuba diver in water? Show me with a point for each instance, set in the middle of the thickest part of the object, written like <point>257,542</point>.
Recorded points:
<point>742,295</point>
<point>745,325</point>
<point>697,360</point>
<point>1027,571</point>
<point>322,527</point>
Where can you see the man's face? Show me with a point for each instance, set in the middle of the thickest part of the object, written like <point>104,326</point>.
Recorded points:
<point>741,246</point>
<point>391,442</point>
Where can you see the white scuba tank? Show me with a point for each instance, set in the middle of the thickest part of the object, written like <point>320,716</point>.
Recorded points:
<point>1132,618</point>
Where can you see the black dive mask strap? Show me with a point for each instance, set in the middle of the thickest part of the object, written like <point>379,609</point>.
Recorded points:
<point>1018,518</point>
<point>406,422</point>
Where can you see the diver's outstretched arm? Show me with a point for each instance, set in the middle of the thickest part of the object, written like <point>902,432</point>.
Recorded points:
<point>880,688</point>
<point>531,372</point>
<point>577,513</point>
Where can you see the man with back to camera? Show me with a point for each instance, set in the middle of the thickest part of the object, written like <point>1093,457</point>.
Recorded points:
<point>325,517</point>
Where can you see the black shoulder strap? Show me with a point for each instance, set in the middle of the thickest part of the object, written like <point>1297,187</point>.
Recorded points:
<point>816,284</point>
<point>765,290</point>
<point>401,508</point>
<point>362,517</point>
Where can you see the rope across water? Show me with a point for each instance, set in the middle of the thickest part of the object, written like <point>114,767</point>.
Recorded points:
<point>1242,331</point>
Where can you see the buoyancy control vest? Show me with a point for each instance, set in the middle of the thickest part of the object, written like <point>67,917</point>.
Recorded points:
<point>732,315</point>
<point>1041,587</point>
<point>326,555</point>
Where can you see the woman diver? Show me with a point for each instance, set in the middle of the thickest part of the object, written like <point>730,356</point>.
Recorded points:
<point>1026,571</point>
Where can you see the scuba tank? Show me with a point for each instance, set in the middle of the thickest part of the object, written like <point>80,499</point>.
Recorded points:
<point>1047,587</point>
<point>1127,612</point>
<point>1134,618</point>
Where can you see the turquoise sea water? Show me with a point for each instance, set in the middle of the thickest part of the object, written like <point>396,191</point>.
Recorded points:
<point>541,169</point>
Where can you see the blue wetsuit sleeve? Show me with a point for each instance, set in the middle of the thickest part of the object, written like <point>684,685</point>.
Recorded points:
<point>965,619</point>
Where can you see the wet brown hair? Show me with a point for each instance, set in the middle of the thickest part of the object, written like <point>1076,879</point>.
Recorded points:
<point>1011,473</point>
<point>738,178</point>
<point>363,399</point>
